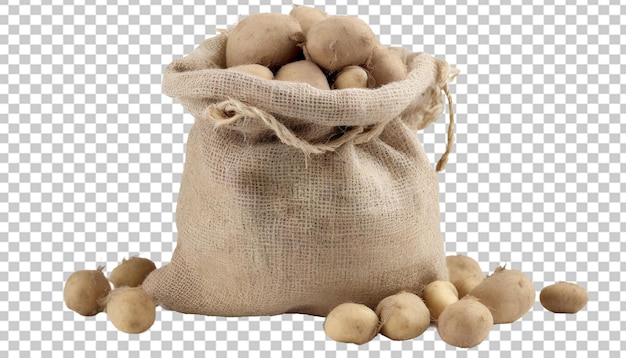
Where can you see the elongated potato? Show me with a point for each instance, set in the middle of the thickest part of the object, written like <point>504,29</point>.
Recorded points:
<point>465,324</point>
<point>307,16</point>
<point>267,39</point>
<point>340,41</point>
<point>508,294</point>
<point>563,297</point>
<point>464,272</point>
<point>351,323</point>
<point>303,71</point>
<point>403,316</point>
<point>386,66</point>
<point>438,295</point>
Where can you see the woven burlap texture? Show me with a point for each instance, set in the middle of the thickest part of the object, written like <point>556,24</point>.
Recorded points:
<point>296,199</point>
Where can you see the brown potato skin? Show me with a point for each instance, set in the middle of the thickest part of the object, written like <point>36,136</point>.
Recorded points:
<point>403,316</point>
<point>131,272</point>
<point>307,16</point>
<point>351,323</point>
<point>131,309</point>
<point>464,272</point>
<point>340,41</point>
<point>254,69</point>
<point>438,295</point>
<point>304,71</point>
<point>386,66</point>
<point>508,294</point>
<point>563,297</point>
<point>84,290</point>
<point>465,324</point>
<point>267,39</point>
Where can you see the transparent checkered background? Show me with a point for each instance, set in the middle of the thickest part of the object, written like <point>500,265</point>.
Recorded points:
<point>91,156</point>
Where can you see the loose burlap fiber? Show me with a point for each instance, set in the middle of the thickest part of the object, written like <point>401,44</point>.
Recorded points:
<point>296,199</point>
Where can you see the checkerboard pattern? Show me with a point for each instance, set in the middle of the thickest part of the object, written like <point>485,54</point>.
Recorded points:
<point>91,156</point>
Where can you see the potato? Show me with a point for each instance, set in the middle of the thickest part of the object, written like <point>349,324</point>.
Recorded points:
<point>130,309</point>
<point>131,272</point>
<point>307,16</point>
<point>464,272</point>
<point>84,290</point>
<point>403,316</point>
<point>351,323</point>
<point>303,71</point>
<point>465,323</point>
<point>508,294</point>
<point>386,66</point>
<point>563,297</point>
<point>353,77</point>
<point>340,41</point>
<point>254,70</point>
<point>266,39</point>
<point>438,295</point>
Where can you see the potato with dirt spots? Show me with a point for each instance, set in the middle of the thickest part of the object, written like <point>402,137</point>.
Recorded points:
<point>563,297</point>
<point>266,39</point>
<point>508,294</point>
<point>351,323</point>
<point>84,289</point>
<point>340,41</point>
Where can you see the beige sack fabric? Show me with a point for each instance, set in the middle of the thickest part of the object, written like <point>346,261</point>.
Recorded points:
<point>296,199</point>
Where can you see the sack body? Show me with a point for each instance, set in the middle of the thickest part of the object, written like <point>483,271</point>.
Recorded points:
<point>295,199</point>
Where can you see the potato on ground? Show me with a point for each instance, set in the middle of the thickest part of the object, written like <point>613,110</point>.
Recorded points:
<point>465,324</point>
<point>340,41</point>
<point>403,316</point>
<point>267,39</point>
<point>464,272</point>
<point>563,297</point>
<point>130,309</point>
<point>303,71</point>
<point>307,16</point>
<point>386,66</point>
<point>351,323</point>
<point>84,290</point>
<point>438,295</point>
<point>508,294</point>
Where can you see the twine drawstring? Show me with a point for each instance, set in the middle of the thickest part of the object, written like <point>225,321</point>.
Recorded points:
<point>230,111</point>
<point>443,161</point>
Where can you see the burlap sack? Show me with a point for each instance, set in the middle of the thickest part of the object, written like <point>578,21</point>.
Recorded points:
<point>295,199</point>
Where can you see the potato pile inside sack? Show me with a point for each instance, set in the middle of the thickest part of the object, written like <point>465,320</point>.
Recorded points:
<point>305,189</point>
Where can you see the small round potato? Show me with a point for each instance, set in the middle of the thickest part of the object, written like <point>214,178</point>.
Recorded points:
<point>131,309</point>
<point>351,323</point>
<point>84,291</point>
<point>403,316</point>
<point>353,77</point>
<point>465,323</point>
<point>131,272</point>
<point>438,295</point>
<point>563,297</point>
